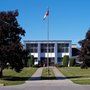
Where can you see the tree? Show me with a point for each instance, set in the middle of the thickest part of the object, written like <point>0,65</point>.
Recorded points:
<point>84,55</point>
<point>65,60</point>
<point>30,62</point>
<point>25,57</point>
<point>11,49</point>
<point>72,61</point>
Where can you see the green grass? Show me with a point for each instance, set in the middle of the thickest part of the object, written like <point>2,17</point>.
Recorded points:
<point>48,74</point>
<point>76,74</point>
<point>10,77</point>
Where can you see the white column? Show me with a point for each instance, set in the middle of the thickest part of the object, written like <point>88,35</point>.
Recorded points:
<point>55,51</point>
<point>70,49</point>
<point>70,52</point>
<point>39,51</point>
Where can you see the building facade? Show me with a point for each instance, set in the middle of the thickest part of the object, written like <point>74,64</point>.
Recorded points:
<point>52,50</point>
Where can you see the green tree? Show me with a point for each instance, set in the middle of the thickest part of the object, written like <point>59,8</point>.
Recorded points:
<point>30,62</point>
<point>25,54</point>
<point>11,49</point>
<point>65,60</point>
<point>72,61</point>
<point>84,55</point>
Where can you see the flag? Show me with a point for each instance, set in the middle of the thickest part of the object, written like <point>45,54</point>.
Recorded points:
<point>46,14</point>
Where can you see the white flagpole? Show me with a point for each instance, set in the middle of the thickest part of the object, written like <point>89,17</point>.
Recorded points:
<point>47,16</point>
<point>48,42</point>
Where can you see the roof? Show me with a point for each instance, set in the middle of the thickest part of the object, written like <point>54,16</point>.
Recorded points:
<point>47,41</point>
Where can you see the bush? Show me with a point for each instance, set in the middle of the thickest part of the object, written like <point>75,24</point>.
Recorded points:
<point>72,61</point>
<point>30,62</point>
<point>65,60</point>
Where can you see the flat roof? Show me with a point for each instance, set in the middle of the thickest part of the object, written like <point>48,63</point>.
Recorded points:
<point>47,41</point>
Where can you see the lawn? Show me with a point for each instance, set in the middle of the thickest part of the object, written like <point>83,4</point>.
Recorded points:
<point>48,74</point>
<point>76,74</point>
<point>10,77</point>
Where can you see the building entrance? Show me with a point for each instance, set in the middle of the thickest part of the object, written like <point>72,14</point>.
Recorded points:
<point>43,61</point>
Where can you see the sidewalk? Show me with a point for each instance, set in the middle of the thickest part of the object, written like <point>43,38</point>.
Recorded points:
<point>37,74</point>
<point>59,76</point>
<point>61,79</point>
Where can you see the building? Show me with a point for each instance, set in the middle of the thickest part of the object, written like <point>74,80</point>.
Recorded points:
<point>56,50</point>
<point>75,54</point>
<point>75,50</point>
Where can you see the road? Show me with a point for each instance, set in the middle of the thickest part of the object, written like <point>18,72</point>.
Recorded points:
<point>46,85</point>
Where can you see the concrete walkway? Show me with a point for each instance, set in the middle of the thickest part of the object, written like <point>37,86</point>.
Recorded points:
<point>59,76</point>
<point>36,75</point>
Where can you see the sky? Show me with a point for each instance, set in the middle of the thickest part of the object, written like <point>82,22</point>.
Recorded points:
<point>68,19</point>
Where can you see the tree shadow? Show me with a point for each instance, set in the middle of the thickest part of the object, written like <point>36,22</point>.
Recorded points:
<point>48,78</point>
<point>14,78</point>
<point>54,78</point>
<point>69,77</point>
<point>35,78</point>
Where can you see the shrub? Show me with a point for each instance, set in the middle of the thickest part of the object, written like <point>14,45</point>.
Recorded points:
<point>30,62</point>
<point>72,61</point>
<point>65,60</point>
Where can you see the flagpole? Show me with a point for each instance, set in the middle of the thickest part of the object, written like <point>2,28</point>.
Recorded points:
<point>48,42</point>
<point>47,22</point>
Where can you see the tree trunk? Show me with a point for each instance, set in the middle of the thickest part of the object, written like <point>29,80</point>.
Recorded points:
<point>1,72</point>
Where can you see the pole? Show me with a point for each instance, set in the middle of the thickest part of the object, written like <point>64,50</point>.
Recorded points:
<point>48,43</point>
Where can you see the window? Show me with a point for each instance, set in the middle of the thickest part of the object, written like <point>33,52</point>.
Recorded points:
<point>27,46</point>
<point>32,47</point>
<point>62,47</point>
<point>44,47</point>
<point>51,47</point>
<point>59,60</point>
<point>66,49</point>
